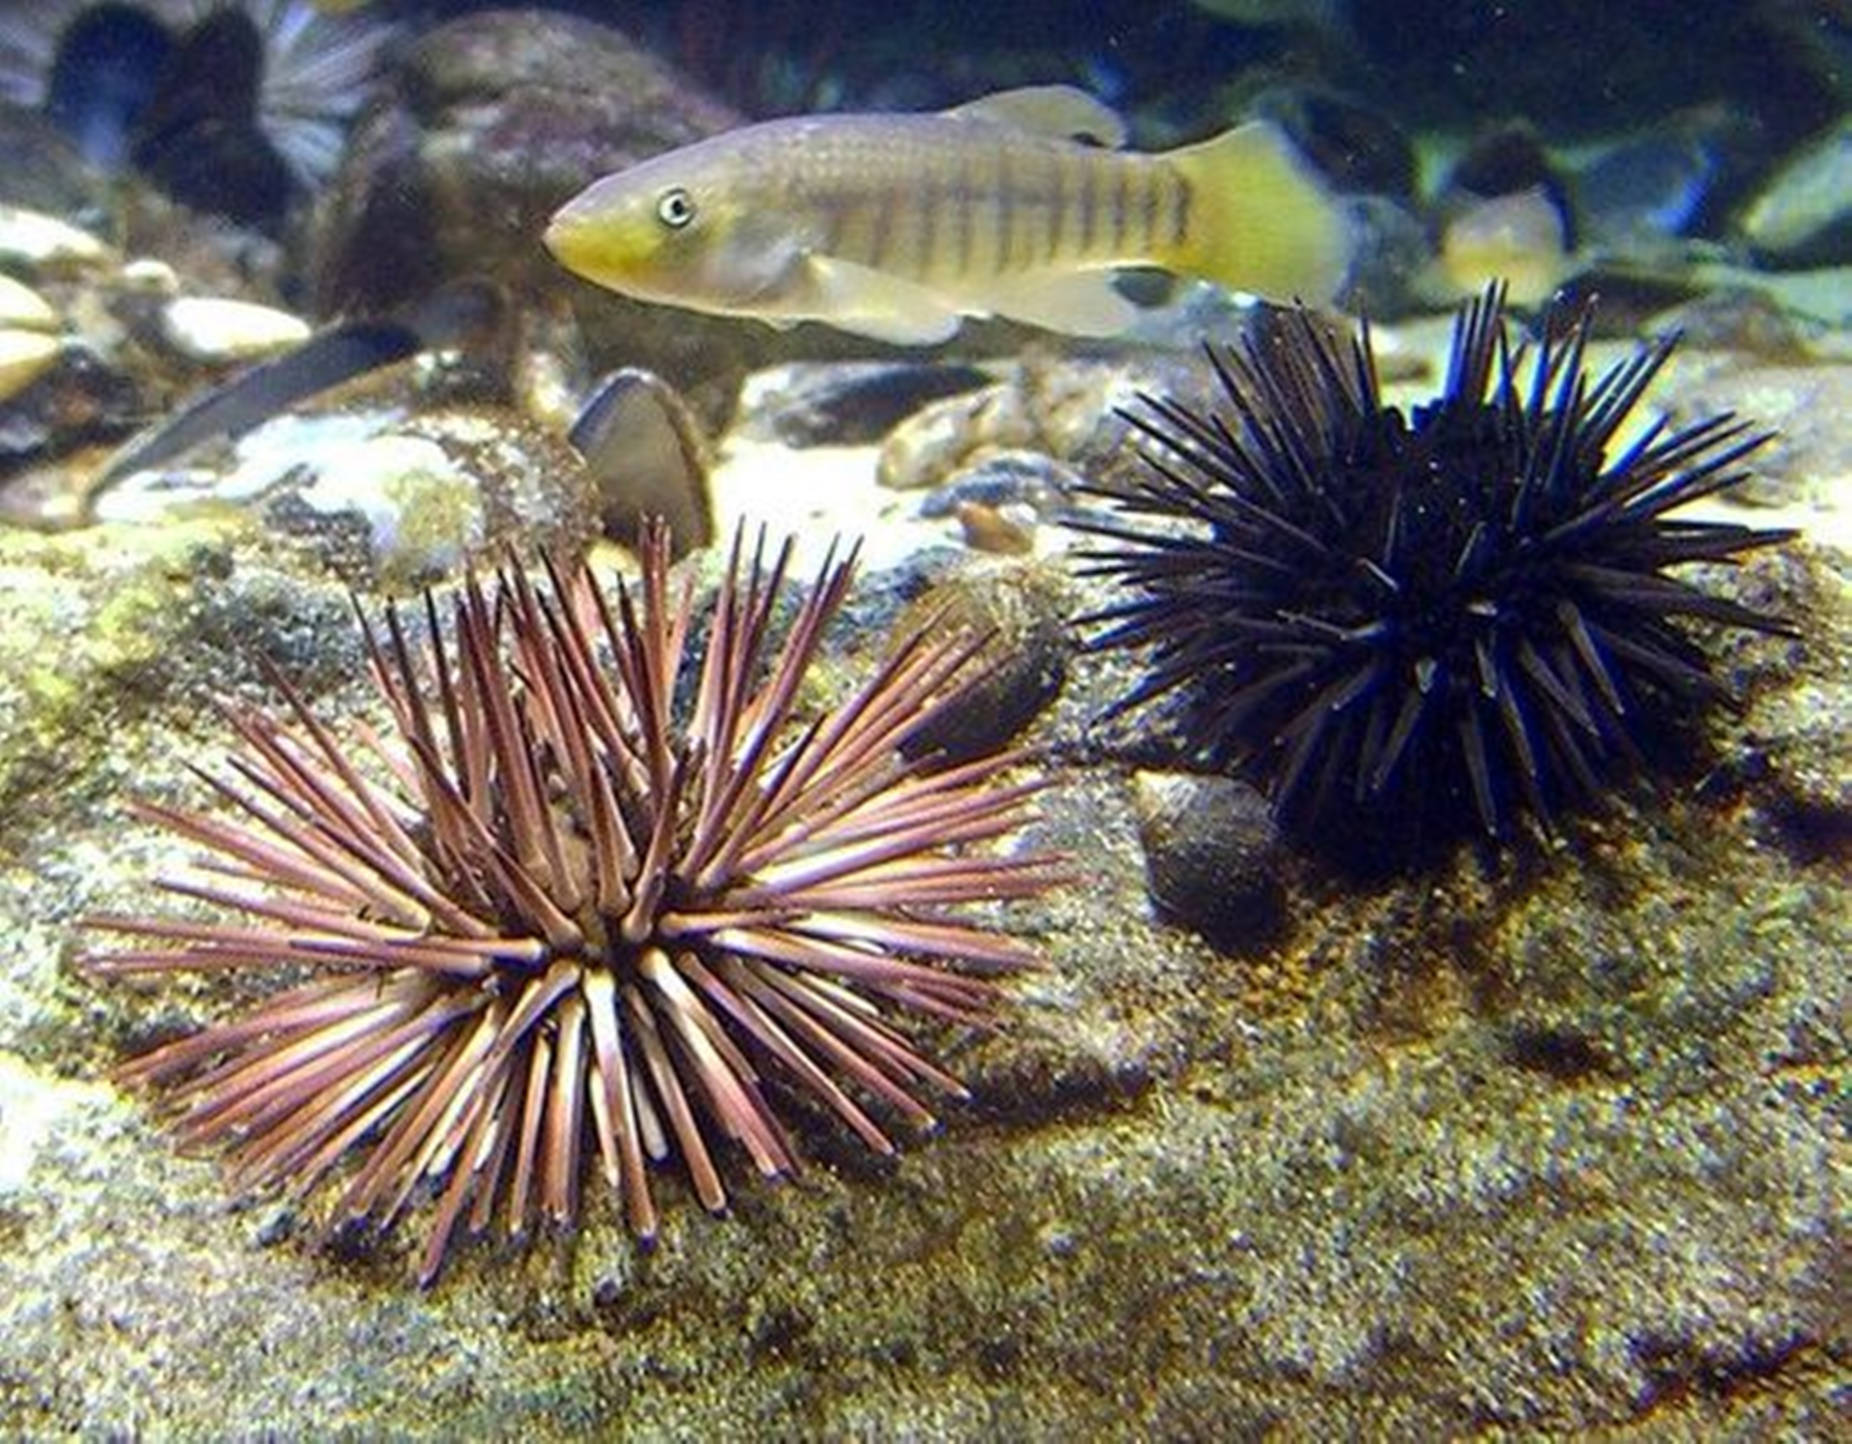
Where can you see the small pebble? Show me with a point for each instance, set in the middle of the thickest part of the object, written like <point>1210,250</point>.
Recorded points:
<point>992,529</point>
<point>1025,480</point>
<point>25,309</point>
<point>216,330</point>
<point>24,357</point>
<point>146,276</point>
<point>41,242</point>
<point>943,437</point>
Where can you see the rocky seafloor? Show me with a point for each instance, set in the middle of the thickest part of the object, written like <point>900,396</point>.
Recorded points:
<point>1553,1139</point>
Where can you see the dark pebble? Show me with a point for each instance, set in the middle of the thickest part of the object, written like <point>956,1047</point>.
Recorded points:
<point>850,403</point>
<point>1010,478</point>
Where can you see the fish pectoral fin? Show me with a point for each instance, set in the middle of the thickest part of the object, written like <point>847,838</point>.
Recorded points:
<point>873,303</point>
<point>1064,111</point>
<point>1080,303</point>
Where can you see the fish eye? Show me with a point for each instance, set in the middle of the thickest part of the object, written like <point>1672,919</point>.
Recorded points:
<point>675,208</point>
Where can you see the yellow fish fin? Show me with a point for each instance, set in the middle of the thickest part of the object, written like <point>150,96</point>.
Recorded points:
<point>1260,220</point>
<point>1079,303</point>
<point>873,303</point>
<point>1063,111</point>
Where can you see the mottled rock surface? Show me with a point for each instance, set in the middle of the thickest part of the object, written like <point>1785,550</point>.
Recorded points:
<point>1552,1141</point>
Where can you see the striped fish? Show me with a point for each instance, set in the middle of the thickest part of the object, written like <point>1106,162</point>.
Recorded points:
<point>897,226</point>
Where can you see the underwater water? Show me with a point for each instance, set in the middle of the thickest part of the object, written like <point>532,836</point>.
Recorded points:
<point>768,720</point>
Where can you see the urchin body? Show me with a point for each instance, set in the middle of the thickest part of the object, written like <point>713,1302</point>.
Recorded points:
<point>585,924</point>
<point>1423,624</point>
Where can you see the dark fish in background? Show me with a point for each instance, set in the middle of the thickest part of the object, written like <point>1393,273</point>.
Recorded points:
<point>105,74</point>
<point>198,138</point>
<point>237,108</point>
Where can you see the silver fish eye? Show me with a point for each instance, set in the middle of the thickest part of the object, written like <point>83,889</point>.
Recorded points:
<point>675,208</point>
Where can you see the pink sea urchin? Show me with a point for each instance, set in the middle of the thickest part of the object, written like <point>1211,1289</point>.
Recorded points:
<point>608,895</point>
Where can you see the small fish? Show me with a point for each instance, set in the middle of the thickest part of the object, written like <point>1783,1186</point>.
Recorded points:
<point>897,226</point>
<point>1521,240</point>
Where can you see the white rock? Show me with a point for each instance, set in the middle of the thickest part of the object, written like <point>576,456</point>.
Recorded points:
<point>263,460</point>
<point>25,309</point>
<point>24,357</point>
<point>1806,198</point>
<point>44,242</point>
<point>216,329</point>
<point>146,276</point>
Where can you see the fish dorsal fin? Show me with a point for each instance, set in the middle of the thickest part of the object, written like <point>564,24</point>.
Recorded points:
<point>1057,110</point>
<point>873,303</point>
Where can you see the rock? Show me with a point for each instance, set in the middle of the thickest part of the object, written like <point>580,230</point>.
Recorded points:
<point>46,245</point>
<point>844,403</point>
<point>394,509</point>
<point>495,120</point>
<point>1808,465</point>
<point>383,499</point>
<point>24,357</point>
<point>1794,756</point>
<point>999,502</point>
<point>44,171</point>
<point>1740,319</point>
<point>23,308</point>
<point>999,530</point>
<point>219,331</point>
<point>72,397</point>
<point>1024,480</point>
<point>1556,1153</point>
<point>1213,858</point>
<point>943,438</point>
<point>1803,215</point>
<point>105,625</point>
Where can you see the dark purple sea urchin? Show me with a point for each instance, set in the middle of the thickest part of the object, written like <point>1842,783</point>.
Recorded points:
<point>1404,629</point>
<point>575,923</point>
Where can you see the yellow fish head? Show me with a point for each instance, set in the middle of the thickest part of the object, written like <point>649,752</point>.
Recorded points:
<point>681,229</point>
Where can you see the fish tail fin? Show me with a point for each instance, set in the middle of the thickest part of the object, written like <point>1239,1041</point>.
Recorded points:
<point>1261,221</point>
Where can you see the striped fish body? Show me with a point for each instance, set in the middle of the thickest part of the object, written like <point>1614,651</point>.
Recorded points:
<point>959,204</point>
<point>898,225</point>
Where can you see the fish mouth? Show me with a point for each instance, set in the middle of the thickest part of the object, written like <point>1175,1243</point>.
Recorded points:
<point>567,239</point>
<point>579,238</point>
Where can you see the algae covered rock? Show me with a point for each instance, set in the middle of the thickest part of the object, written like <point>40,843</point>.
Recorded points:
<point>1548,1141</point>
